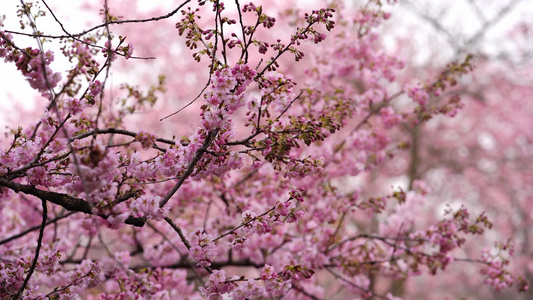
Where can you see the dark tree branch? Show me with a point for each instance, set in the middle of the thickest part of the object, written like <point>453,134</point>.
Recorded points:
<point>69,202</point>
<point>184,264</point>
<point>37,251</point>
<point>180,233</point>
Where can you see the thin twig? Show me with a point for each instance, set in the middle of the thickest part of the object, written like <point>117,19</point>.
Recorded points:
<point>19,235</point>
<point>304,292</point>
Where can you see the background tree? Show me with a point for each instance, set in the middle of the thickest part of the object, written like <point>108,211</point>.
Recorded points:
<point>480,158</point>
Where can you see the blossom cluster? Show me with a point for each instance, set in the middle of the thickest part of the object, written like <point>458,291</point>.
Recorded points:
<point>95,175</point>
<point>32,63</point>
<point>202,248</point>
<point>269,283</point>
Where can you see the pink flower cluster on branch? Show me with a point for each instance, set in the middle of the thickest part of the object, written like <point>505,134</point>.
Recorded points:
<point>32,63</point>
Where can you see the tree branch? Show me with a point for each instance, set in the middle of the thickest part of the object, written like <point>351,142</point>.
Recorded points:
<point>190,168</point>
<point>37,251</point>
<point>69,202</point>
